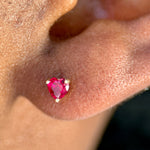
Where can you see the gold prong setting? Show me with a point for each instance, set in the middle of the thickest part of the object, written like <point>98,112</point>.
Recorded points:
<point>48,81</point>
<point>67,81</point>
<point>57,100</point>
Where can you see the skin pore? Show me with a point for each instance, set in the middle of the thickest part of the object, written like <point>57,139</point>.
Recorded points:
<point>105,55</point>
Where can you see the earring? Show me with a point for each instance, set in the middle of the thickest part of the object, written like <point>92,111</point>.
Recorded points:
<point>58,88</point>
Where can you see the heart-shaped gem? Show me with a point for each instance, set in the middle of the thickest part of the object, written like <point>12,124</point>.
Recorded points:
<point>58,88</point>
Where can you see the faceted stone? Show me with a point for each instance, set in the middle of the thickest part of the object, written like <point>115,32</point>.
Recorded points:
<point>58,88</point>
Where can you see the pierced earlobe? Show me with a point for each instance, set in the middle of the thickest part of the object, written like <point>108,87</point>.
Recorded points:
<point>58,88</point>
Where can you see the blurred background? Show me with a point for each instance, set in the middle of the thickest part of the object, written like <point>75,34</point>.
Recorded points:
<point>129,128</point>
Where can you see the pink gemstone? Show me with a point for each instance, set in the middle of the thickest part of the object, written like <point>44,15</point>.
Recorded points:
<point>58,88</point>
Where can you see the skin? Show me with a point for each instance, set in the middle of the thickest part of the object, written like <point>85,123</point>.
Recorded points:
<point>106,58</point>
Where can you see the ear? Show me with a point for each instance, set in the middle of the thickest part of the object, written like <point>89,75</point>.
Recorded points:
<point>106,63</point>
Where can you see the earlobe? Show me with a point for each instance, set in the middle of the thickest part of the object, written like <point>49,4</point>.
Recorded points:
<point>102,64</point>
<point>110,64</point>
